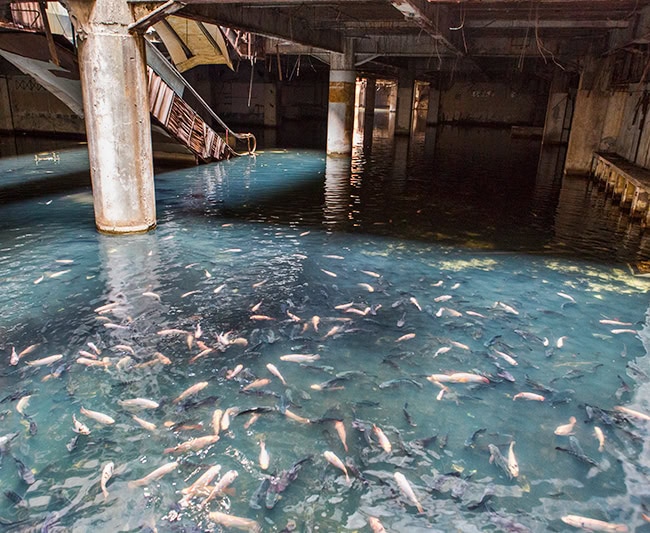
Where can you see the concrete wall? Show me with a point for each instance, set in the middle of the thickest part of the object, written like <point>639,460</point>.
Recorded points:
<point>27,107</point>
<point>491,103</point>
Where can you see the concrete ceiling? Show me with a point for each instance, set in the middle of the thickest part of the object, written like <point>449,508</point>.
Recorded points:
<point>555,31</point>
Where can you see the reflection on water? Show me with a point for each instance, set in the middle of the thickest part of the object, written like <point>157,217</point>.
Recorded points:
<point>387,268</point>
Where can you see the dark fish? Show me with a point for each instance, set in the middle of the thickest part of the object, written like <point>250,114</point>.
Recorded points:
<point>260,392</point>
<point>499,460</point>
<point>259,495</point>
<point>427,441</point>
<point>16,395</point>
<point>491,341</point>
<point>73,443</point>
<point>278,484</point>
<point>576,450</point>
<point>25,473</point>
<point>195,404</point>
<point>471,441</point>
<point>407,415</point>
<point>13,496</point>
<point>399,381</point>
<point>539,386</point>
<point>442,442</point>
<point>352,468</point>
<point>563,396</point>
<point>599,414</point>
<point>526,335</point>
<point>33,428</point>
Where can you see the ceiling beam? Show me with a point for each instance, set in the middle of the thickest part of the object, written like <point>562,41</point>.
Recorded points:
<point>281,24</point>
<point>570,23</point>
<point>432,20</point>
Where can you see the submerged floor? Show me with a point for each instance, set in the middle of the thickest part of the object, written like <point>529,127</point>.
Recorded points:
<point>461,252</point>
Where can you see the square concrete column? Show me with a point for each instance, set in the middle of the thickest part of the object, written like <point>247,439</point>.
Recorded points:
<point>434,104</point>
<point>112,65</point>
<point>369,106</point>
<point>404,104</point>
<point>270,105</point>
<point>340,108</point>
<point>558,96</point>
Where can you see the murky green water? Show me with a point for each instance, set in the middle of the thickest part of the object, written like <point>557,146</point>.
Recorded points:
<point>465,253</point>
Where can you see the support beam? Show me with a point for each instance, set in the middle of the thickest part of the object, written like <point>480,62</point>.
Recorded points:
<point>432,20</point>
<point>279,24</point>
<point>149,19</point>
<point>404,103</point>
<point>340,109</point>
<point>112,66</point>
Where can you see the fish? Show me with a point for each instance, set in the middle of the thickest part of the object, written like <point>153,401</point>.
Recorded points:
<point>150,294</point>
<point>528,396</point>
<point>343,307</point>
<point>407,415</point>
<point>615,322</point>
<point>407,490</point>
<point>274,370</point>
<point>138,403</point>
<point>39,279</point>
<point>507,358</point>
<point>97,416</point>
<point>14,357</point>
<point>145,424</point>
<point>256,307</point>
<point>155,475</point>
<point>366,286</point>
<point>333,331</point>
<point>576,450</point>
<point>261,318</point>
<point>406,337</point>
<point>474,313</point>
<point>197,387</point>
<point>22,404</point>
<point>92,362</point>
<point>253,418</point>
<point>441,350</point>
<point>216,421</point>
<point>232,373</point>
<point>460,345</point>
<point>259,284</point>
<point>398,381</point>
<point>105,308</point>
<point>414,301</point>
<point>619,331</point>
<point>202,481</point>
<point>371,273</point>
<point>45,360</point>
<point>193,444</point>
<point>507,308</point>
<point>513,465</point>
<point>443,298</point>
<point>297,418</point>
<point>221,485</point>
<point>631,412</point>
<point>471,441</point>
<point>172,331</point>
<point>87,354</point>
<point>566,296</point>
<point>560,342</point>
<point>499,460</point>
<point>264,456</point>
<point>218,289</point>
<point>332,458</point>
<point>294,318</point>
<point>383,440</point>
<point>601,438</point>
<point>107,473</point>
<point>189,293</point>
<point>340,429</point>
<point>258,383</point>
<point>315,320</point>
<point>236,522</point>
<point>329,273</point>
<point>28,350</point>
<point>79,427</point>
<point>25,472</point>
<point>376,525</point>
<point>225,419</point>
<point>124,348</point>
<point>300,358</point>
<point>566,429</point>
<point>591,524</point>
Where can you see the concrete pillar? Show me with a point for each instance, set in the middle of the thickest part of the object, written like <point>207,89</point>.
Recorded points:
<point>369,106</point>
<point>434,104</point>
<point>340,109</point>
<point>404,104</point>
<point>112,66</point>
<point>337,213</point>
<point>594,123</point>
<point>270,105</point>
<point>558,97</point>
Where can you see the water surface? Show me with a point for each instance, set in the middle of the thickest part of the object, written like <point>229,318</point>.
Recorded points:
<point>453,249</point>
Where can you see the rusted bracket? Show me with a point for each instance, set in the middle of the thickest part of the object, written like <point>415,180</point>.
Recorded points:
<point>142,24</point>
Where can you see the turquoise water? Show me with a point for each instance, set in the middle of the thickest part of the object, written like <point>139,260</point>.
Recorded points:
<point>450,224</point>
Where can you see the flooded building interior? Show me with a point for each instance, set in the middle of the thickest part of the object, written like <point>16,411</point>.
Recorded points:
<point>324,265</point>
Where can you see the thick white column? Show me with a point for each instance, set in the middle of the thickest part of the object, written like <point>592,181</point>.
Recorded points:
<point>340,109</point>
<point>112,65</point>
